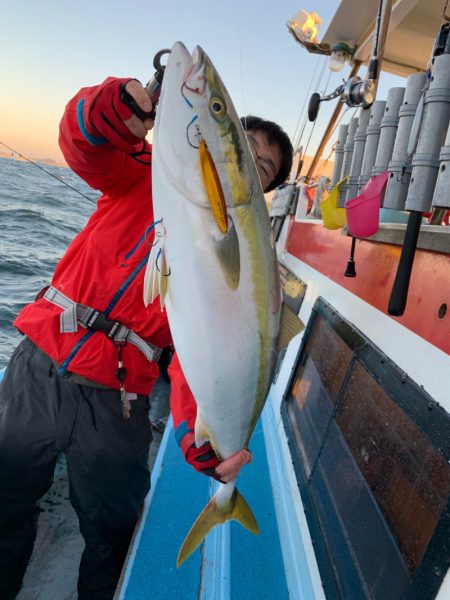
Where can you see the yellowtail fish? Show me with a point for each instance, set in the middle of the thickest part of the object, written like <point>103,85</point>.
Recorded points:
<point>214,266</point>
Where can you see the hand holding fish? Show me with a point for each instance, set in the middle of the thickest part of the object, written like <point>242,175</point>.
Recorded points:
<point>110,118</point>
<point>140,96</point>
<point>204,460</point>
<point>229,469</point>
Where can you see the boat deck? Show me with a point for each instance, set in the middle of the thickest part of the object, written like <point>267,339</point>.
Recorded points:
<point>232,563</point>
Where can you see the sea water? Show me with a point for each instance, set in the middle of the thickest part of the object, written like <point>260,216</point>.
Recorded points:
<point>39,217</point>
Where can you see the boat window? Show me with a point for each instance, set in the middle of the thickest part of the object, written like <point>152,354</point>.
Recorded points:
<point>371,452</point>
<point>406,474</point>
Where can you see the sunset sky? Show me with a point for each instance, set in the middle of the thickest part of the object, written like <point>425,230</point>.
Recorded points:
<point>51,48</point>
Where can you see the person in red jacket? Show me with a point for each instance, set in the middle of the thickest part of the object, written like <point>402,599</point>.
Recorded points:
<point>79,382</point>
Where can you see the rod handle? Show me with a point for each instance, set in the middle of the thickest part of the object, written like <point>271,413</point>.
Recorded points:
<point>399,293</point>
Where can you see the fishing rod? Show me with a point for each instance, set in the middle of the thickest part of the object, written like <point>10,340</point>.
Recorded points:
<point>48,172</point>
<point>356,91</point>
<point>426,140</point>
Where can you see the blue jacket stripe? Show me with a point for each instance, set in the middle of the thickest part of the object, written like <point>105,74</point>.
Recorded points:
<point>65,364</point>
<point>95,141</point>
<point>123,288</point>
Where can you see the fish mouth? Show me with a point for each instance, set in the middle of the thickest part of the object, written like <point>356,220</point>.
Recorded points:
<point>196,78</point>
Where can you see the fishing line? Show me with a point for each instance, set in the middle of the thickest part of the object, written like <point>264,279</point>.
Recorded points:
<point>48,173</point>
<point>445,17</point>
<point>332,133</point>
<point>241,62</point>
<point>316,88</point>
<point>302,110</point>
<point>315,122</point>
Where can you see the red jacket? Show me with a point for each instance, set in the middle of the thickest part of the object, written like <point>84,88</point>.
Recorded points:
<point>104,265</point>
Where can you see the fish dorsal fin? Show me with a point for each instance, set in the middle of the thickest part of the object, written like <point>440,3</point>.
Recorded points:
<point>290,326</point>
<point>201,432</point>
<point>228,254</point>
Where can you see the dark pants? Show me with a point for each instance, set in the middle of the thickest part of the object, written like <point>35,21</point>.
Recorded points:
<point>41,415</point>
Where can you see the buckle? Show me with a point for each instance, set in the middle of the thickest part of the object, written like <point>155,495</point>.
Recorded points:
<point>99,322</point>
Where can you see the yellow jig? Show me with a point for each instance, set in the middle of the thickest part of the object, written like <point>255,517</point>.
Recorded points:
<point>213,187</point>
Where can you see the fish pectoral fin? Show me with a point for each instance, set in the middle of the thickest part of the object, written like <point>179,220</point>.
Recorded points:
<point>290,326</point>
<point>214,514</point>
<point>201,432</point>
<point>229,256</point>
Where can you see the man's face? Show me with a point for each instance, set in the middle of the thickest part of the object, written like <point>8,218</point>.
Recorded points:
<point>267,157</point>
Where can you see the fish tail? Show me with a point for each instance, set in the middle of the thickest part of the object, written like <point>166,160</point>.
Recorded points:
<point>217,513</point>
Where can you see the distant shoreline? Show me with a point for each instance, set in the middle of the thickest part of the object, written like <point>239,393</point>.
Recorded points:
<point>46,161</point>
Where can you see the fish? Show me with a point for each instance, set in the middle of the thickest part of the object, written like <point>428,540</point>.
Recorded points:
<point>214,266</point>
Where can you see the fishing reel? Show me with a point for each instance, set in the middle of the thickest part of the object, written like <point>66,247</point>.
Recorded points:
<point>353,92</point>
<point>153,89</point>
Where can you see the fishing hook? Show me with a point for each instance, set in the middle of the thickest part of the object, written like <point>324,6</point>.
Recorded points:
<point>149,229</point>
<point>158,269</point>
<point>194,118</point>
<point>197,134</point>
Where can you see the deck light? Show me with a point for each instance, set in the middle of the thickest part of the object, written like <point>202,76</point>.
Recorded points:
<point>340,54</point>
<point>304,26</point>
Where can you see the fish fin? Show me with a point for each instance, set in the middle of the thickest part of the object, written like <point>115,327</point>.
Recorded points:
<point>201,432</point>
<point>229,256</point>
<point>216,513</point>
<point>290,326</point>
<point>151,290</point>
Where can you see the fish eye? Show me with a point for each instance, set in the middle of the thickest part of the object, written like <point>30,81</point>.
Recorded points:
<point>217,107</point>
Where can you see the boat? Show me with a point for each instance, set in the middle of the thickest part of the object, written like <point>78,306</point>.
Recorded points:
<point>350,481</point>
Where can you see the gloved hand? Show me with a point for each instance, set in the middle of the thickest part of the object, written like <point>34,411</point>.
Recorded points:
<point>203,459</point>
<point>110,117</point>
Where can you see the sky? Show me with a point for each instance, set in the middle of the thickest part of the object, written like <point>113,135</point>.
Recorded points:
<point>49,49</point>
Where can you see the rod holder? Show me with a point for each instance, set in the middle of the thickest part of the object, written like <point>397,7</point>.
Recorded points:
<point>399,294</point>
